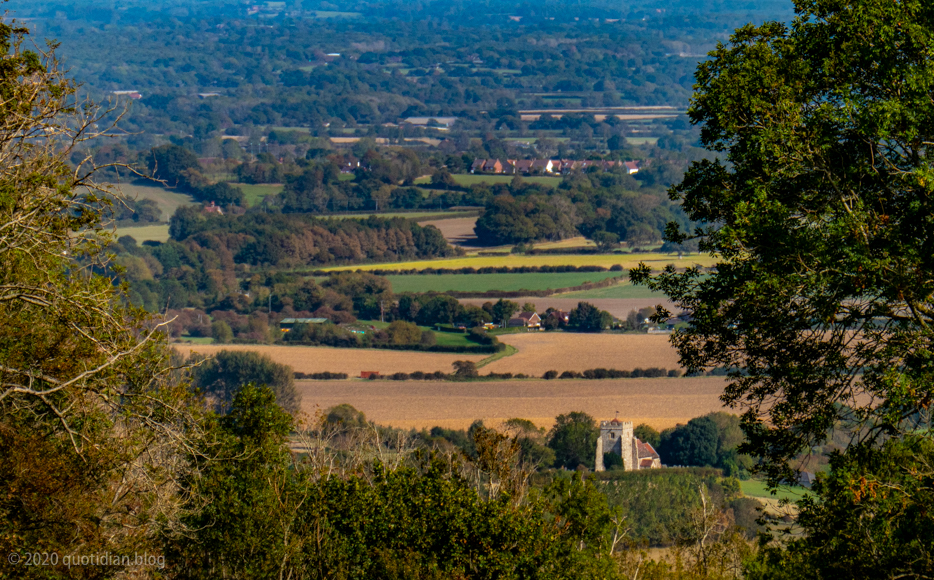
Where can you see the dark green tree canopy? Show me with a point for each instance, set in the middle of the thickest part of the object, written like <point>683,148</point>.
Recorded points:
<point>574,440</point>
<point>820,213</point>
<point>223,376</point>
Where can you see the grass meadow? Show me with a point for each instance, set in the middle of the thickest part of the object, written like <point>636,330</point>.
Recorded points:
<point>255,193</point>
<point>623,290</point>
<point>655,260</point>
<point>441,338</point>
<point>168,200</point>
<point>485,282</point>
<point>757,488</point>
<point>468,179</point>
<point>154,233</point>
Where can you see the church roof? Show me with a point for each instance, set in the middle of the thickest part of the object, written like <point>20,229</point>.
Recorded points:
<point>645,450</point>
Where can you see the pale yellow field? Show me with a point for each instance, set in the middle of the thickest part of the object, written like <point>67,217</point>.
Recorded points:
<point>659,402</point>
<point>316,359</point>
<point>565,351</point>
<point>655,261</point>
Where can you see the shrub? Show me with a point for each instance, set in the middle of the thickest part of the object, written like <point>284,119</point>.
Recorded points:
<point>569,375</point>
<point>549,375</point>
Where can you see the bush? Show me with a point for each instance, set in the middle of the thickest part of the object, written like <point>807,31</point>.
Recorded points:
<point>221,332</point>
<point>569,375</point>
<point>549,375</point>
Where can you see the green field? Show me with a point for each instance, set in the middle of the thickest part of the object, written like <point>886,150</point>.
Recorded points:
<point>757,488</point>
<point>335,14</point>
<point>642,140</point>
<point>468,179</point>
<point>504,282</point>
<point>255,193</point>
<point>623,290</point>
<point>196,339</point>
<point>655,261</point>
<point>441,338</point>
<point>156,233</point>
<point>168,200</point>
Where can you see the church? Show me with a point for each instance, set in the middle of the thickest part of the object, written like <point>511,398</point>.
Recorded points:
<point>616,437</point>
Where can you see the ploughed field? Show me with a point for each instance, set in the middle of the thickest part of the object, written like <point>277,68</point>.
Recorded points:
<point>661,402</point>
<point>566,351</point>
<point>316,359</point>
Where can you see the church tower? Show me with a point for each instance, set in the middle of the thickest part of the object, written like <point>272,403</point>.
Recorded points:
<point>616,437</point>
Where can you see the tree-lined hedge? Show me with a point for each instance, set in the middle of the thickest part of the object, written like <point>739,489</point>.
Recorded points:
<point>483,270</point>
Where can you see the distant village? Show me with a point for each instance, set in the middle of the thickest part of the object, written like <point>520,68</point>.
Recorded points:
<point>547,166</point>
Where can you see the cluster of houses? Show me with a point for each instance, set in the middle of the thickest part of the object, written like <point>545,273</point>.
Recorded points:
<point>548,166</point>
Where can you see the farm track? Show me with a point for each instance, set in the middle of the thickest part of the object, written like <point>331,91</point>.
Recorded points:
<point>661,403</point>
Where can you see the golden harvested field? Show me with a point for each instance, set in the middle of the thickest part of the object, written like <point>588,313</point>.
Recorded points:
<point>661,403</point>
<point>656,261</point>
<point>316,359</point>
<point>565,351</point>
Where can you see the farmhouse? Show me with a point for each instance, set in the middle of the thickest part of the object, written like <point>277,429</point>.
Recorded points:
<point>616,437</point>
<point>526,319</point>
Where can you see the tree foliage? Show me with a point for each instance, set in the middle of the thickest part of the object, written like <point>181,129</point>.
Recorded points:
<point>819,214</point>
<point>87,399</point>
<point>821,301</point>
<point>574,440</point>
<point>223,375</point>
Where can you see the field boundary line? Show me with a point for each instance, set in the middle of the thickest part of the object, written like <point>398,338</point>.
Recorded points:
<point>508,351</point>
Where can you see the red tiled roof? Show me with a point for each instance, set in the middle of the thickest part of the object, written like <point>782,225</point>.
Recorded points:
<point>646,451</point>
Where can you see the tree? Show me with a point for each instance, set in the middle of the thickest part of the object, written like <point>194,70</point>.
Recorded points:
<point>90,412</point>
<point>817,214</point>
<point>465,369</point>
<point>692,444</point>
<point>244,494</point>
<point>821,298</point>
<point>222,377</point>
<point>574,440</point>
<point>503,310</point>
<point>646,433</point>
<point>175,165</point>
<point>869,513</point>
<point>588,318</point>
<point>221,332</point>
<point>605,241</point>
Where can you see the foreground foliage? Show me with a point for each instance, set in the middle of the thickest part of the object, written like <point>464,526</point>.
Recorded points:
<point>822,300</point>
